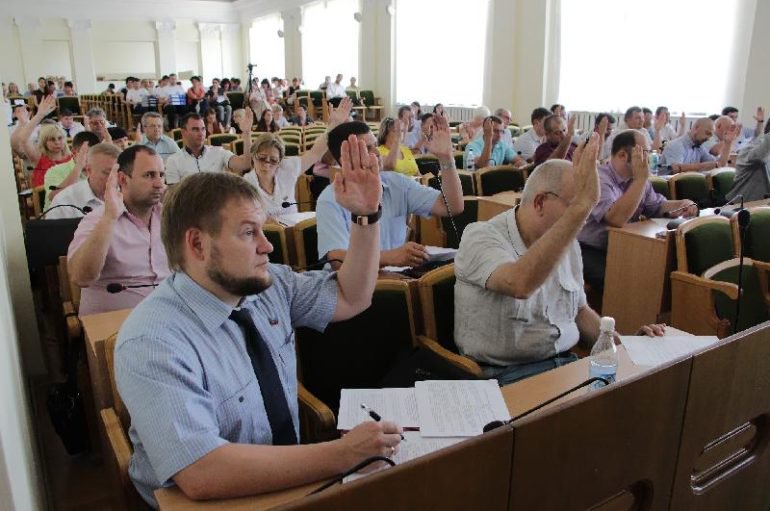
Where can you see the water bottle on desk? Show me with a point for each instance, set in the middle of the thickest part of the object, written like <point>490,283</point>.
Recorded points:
<point>470,161</point>
<point>604,354</point>
<point>653,161</point>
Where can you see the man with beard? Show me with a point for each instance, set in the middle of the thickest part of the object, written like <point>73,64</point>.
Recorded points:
<point>687,153</point>
<point>117,246</point>
<point>206,365</point>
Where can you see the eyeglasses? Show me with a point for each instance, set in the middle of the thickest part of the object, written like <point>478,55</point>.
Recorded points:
<point>266,159</point>
<point>557,196</point>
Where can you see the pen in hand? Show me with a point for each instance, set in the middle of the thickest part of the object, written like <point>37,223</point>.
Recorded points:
<point>376,417</point>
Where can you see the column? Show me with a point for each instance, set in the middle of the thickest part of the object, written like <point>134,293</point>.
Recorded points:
<point>232,50</point>
<point>292,39</point>
<point>165,47</point>
<point>31,43</point>
<point>211,51</point>
<point>84,70</point>
<point>11,65</point>
<point>377,62</point>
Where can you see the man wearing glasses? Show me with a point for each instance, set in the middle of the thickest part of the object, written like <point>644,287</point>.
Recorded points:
<point>150,133</point>
<point>489,149</point>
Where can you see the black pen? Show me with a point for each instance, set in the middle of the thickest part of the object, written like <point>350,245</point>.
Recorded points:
<point>375,416</point>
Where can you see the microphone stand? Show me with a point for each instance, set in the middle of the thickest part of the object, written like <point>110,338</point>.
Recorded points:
<point>744,217</point>
<point>250,67</point>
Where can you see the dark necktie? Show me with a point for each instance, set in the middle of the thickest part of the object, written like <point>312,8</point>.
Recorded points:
<point>262,362</point>
<point>68,132</point>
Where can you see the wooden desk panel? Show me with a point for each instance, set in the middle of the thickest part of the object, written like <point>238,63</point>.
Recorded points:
<point>97,328</point>
<point>494,205</point>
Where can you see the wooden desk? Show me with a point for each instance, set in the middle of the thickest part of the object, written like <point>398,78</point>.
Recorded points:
<point>494,205</point>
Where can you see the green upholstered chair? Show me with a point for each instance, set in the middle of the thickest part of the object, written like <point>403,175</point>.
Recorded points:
<point>276,235</point>
<point>660,185</point>
<point>757,243</point>
<point>427,164</point>
<point>469,215</point>
<point>754,309</point>
<point>220,139</point>
<point>501,178</point>
<point>292,149</point>
<point>459,159</point>
<point>721,182</point>
<point>176,133</point>
<point>467,181</point>
<point>236,99</point>
<point>372,104</point>
<point>237,146</point>
<point>692,186</point>
<point>306,242</point>
<point>437,303</point>
<point>702,243</point>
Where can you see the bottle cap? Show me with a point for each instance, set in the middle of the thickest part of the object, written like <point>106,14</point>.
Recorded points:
<point>607,324</point>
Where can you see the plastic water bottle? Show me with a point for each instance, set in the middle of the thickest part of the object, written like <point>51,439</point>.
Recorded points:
<point>604,354</point>
<point>470,161</point>
<point>653,161</point>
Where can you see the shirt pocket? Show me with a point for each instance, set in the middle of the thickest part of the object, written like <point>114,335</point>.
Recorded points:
<point>237,415</point>
<point>565,307</point>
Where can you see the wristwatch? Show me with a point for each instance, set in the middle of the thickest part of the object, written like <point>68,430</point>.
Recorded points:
<point>367,219</point>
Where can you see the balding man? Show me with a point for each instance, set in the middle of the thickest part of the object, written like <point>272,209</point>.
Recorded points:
<point>687,154</point>
<point>505,116</point>
<point>519,300</point>
<point>558,143</point>
<point>715,144</point>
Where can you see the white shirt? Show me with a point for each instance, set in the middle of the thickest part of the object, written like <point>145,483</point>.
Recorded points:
<point>527,144</point>
<point>80,195</point>
<point>183,164</point>
<point>74,129</point>
<point>136,96</point>
<point>335,90</point>
<point>286,176</point>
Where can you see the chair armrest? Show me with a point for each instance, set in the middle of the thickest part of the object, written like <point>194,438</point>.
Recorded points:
<point>72,321</point>
<point>116,437</point>
<point>315,417</point>
<point>459,361</point>
<point>731,290</point>
<point>761,265</point>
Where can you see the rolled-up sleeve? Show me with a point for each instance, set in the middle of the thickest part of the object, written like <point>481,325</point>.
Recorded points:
<point>482,250</point>
<point>419,198</point>
<point>332,224</point>
<point>312,298</point>
<point>84,230</point>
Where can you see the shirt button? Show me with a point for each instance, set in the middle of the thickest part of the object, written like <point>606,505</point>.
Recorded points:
<point>240,399</point>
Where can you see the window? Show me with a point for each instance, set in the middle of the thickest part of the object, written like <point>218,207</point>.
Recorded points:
<point>647,53</point>
<point>330,41</point>
<point>266,48</point>
<point>451,71</point>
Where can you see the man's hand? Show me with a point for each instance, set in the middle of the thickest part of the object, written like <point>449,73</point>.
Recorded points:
<point>409,254</point>
<point>654,330</point>
<point>731,134</point>
<point>760,115</point>
<point>247,121</point>
<point>604,125</point>
<point>487,130</point>
<point>571,127</point>
<point>22,115</point>
<point>586,175</point>
<point>113,197</point>
<point>357,187</point>
<point>660,122</point>
<point>440,140</point>
<point>138,132</point>
<point>370,439</point>
<point>340,114</point>
<point>81,158</point>
<point>45,107</point>
<point>398,129</point>
<point>640,170</point>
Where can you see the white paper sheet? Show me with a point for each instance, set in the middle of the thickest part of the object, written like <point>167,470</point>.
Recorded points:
<point>450,408</point>
<point>292,219</point>
<point>655,351</point>
<point>414,447</point>
<point>440,253</point>
<point>395,405</point>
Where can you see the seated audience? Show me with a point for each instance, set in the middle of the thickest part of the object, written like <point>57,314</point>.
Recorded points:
<point>301,118</point>
<point>469,130</point>
<point>438,109</point>
<point>335,91</point>
<point>519,301</point>
<point>489,149</point>
<point>221,105</point>
<point>559,110</point>
<point>119,243</point>
<point>68,123</point>
<point>96,122</point>
<point>149,133</point>
<point>634,119</point>
<point>410,131</point>
<point>51,148</point>
<point>396,156</point>
<point>505,116</point>
<point>748,133</point>
<point>402,196</point>
<point>174,101</point>
<point>197,157</point>
<point>426,125</point>
<point>136,95</point>
<point>527,143</point>
<point>353,87</point>
<point>626,195</point>
<point>686,153</point>
<point>752,169</point>
<point>558,143</point>
<point>603,125</point>
<point>647,116</point>
<point>119,137</point>
<point>662,123</point>
<point>715,144</point>
<point>71,171</point>
<point>89,192</point>
<point>196,96</point>
<point>278,118</point>
<point>213,126</point>
<point>267,122</point>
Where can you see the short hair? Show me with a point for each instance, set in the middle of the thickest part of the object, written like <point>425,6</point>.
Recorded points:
<point>192,115</point>
<point>426,117</point>
<point>481,111</point>
<point>661,109</point>
<point>117,132</point>
<point>85,136</point>
<point>495,119</point>
<point>65,113</point>
<point>547,177</point>
<point>195,78</point>
<point>268,140</point>
<point>729,110</point>
<point>555,106</point>
<point>646,110</point>
<point>105,149</point>
<point>96,112</point>
<point>341,133</point>
<point>128,157</point>
<point>150,115</point>
<point>714,117</point>
<point>624,141</point>
<point>276,108</point>
<point>404,108</point>
<point>631,111</point>
<point>548,122</point>
<point>610,118</point>
<point>68,84</point>
<point>197,202</point>
<point>539,113</point>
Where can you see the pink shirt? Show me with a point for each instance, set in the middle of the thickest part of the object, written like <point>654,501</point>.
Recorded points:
<point>136,256</point>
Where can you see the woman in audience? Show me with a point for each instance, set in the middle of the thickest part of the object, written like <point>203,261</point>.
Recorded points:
<point>438,109</point>
<point>13,91</point>
<point>213,126</point>
<point>278,117</point>
<point>237,116</point>
<point>51,148</point>
<point>396,156</point>
<point>266,122</point>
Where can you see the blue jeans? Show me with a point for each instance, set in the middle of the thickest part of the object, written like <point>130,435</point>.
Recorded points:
<point>516,372</point>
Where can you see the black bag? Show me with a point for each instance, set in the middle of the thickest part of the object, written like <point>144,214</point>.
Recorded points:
<point>65,406</point>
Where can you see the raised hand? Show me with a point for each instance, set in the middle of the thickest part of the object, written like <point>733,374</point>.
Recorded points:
<point>340,114</point>
<point>398,129</point>
<point>46,106</point>
<point>357,187</point>
<point>586,175</point>
<point>247,121</point>
<point>487,129</point>
<point>660,121</point>
<point>440,139</point>
<point>732,133</point>
<point>604,125</point>
<point>113,197</point>
<point>571,126</point>
<point>760,115</point>
<point>81,158</point>
<point>639,167</point>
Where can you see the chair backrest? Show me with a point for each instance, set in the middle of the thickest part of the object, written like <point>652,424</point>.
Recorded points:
<point>437,301</point>
<point>702,243</point>
<point>469,215</point>
<point>117,402</point>
<point>757,242</point>
<point>660,186</point>
<point>501,178</point>
<point>304,193</point>
<point>428,164</point>
<point>367,97</point>
<point>306,242</point>
<point>220,139</point>
<point>70,292</point>
<point>276,235</point>
<point>467,181</point>
<point>237,146</point>
<point>754,309</point>
<point>176,133</point>
<point>292,149</point>
<point>38,199</point>
<point>721,182</point>
<point>692,186</point>
<point>236,99</point>
<point>359,352</point>
<point>71,103</point>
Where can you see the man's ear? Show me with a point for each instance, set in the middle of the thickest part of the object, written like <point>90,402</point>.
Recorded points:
<point>194,243</point>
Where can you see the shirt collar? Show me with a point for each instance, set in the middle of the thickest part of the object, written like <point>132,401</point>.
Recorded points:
<point>620,180</point>
<point>513,233</point>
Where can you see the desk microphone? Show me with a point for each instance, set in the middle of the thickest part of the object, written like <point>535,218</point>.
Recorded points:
<point>496,424</point>
<point>286,204</point>
<point>730,213</point>
<point>117,287</point>
<point>85,209</point>
<point>744,218</point>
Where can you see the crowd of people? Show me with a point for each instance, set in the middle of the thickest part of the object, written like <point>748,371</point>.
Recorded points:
<point>180,229</point>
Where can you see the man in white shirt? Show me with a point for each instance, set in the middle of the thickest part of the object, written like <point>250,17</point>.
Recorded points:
<point>505,116</point>
<point>136,96</point>
<point>335,91</point>
<point>527,144</point>
<point>174,101</point>
<point>196,157</point>
<point>68,123</point>
<point>89,192</point>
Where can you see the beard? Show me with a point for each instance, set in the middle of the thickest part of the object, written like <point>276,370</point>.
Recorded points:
<point>237,286</point>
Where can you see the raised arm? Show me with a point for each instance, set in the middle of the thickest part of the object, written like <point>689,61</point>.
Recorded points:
<point>620,212</point>
<point>561,150</point>
<point>660,123</point>
<point>81,159</point>
<point>242,163</point>
<point>727,144</point>
<point>759,117</point>
<point>336,117</point>
<point>390,161</point>
<point>483,159</point>
<point>440,144</point>
<point>21,140</point>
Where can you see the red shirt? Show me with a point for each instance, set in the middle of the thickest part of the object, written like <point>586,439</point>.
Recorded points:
<point>43,164</point>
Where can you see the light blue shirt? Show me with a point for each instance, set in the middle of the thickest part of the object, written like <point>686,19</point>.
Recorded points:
<point>682,150</point>
<point>165,146</point>
<point>182,368</point>
<point>401,196</point>
<point>413,136</point>
<point>501,153</point>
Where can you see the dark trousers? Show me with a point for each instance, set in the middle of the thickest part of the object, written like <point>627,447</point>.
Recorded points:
<point>594,264</point>
<point>173,112</point>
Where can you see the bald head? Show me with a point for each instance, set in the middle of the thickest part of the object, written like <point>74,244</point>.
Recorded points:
<point>554,176</point>
<point>722,125</point>
<point>702,130</point>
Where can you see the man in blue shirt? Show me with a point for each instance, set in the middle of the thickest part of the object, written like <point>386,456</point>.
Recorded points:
<point>489,149</point>
<point>206,363</point>
<point>687,153</point>
<point>401,196</point>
